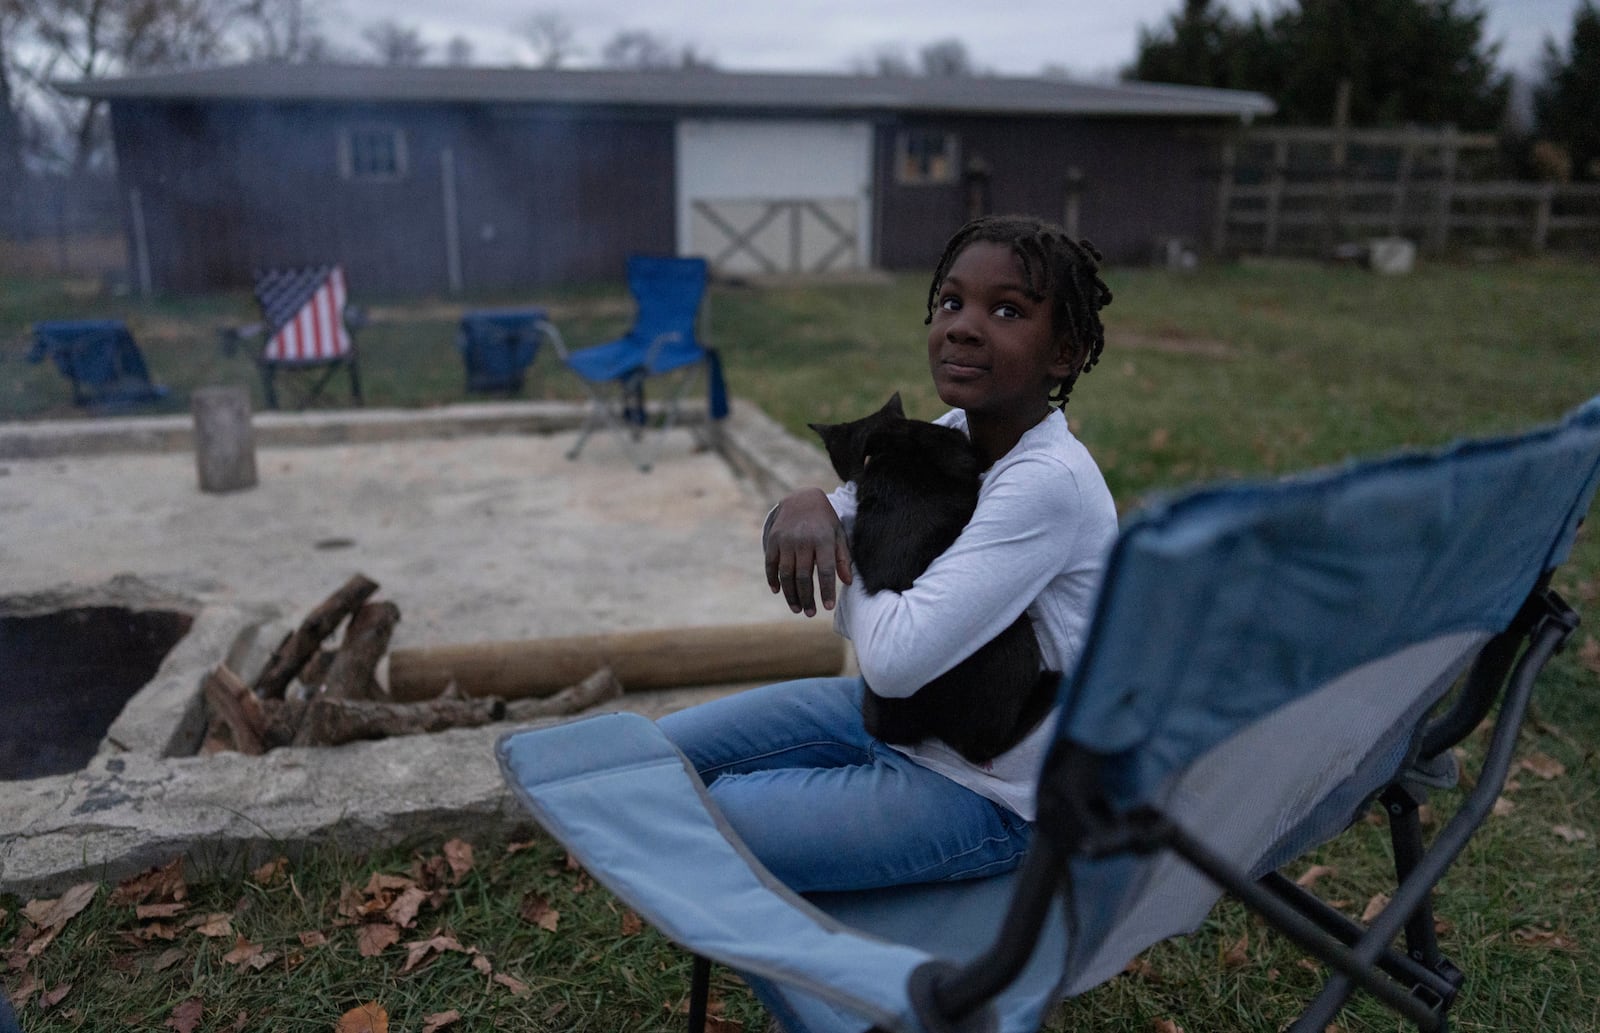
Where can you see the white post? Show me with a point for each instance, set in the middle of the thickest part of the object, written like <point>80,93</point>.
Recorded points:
<point>452,228</point>
<point>141,243</point>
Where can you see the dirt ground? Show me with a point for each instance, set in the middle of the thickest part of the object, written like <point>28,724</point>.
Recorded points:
<point>475,539</point>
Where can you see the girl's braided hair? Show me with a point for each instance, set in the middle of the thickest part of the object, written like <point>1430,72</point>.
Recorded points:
<point>1054,266</point>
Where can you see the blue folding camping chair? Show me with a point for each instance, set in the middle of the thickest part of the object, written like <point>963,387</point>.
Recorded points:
<point>498,345</point>
<point>663,342</point>
<point>100,359</point>
<point>1265,661</point>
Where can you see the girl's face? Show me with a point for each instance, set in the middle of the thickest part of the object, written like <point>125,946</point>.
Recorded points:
<point>992,347</point>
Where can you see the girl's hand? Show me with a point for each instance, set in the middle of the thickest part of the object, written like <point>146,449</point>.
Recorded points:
<point>806,535</point>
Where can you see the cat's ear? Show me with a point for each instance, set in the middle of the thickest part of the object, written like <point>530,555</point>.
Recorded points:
<point>825,431</point>
<point>893,406</point>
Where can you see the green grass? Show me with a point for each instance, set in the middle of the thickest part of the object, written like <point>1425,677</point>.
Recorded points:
<point>1237,371</point>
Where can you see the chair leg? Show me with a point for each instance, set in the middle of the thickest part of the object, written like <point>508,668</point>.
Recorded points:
<point>603,410</point>
<point>268,389</point>
<point>699,993</point>
<point>1405,833</point>
<point>591,420</point>
<point>355,380</point>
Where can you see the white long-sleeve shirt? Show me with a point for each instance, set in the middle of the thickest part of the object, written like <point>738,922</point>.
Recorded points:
<point>1038,540</point>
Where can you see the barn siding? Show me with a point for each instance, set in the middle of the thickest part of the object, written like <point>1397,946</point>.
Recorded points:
<point>550,194</point>
<point>1143,181</point>
<point>230,188</point>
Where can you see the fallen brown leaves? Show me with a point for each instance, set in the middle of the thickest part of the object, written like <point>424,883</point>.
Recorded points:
<point>185,1018</point>
<point>44,920</point>
<point>371,1017</point>
<point>1237,954</point>
<point>1548,939</point>
<point>439,1020</point>
<point>1314,874</point>
<point>157,902</point>
<point>536,910</point>
<point>1589,654</point>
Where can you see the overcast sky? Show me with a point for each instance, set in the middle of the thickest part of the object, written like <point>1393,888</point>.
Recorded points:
<point>1089,38</point>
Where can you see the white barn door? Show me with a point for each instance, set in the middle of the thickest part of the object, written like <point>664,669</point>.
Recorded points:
<point>775,197</point>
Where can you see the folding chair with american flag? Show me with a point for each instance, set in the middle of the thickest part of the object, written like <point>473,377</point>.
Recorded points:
<point>309,328</point>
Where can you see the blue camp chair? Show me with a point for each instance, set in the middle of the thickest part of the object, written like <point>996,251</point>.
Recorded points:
<point>663,341</point>
<point>1264,662</point>
<point>498,345</point>
<point>100,359</point>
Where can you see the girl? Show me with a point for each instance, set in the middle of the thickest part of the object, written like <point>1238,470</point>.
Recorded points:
<point>1013,320</point>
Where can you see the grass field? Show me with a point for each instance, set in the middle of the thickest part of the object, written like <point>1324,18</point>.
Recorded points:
<point>1242,370</point>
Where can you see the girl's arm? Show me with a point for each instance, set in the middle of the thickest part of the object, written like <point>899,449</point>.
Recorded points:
<point>1018,539</point>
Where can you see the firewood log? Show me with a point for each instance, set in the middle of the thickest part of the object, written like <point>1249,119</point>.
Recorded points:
<point>366,639</point>
<point>301,644</point>
<point>329,721</point>
<point>599,687</point>
<point>236,708</point>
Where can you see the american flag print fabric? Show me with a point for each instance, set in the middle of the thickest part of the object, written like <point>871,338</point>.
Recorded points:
<point>304,311</point>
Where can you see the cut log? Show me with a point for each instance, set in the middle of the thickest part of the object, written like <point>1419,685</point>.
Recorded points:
<point>642,660</point>
<point>329,722</point>
<point>224,440</point>
<point>600,686</point>
<point>366,639</point>
<point>236,708</point>
<point>301,644</point>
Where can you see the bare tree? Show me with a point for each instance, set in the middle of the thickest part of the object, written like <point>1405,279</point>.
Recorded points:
<point>945,58</point>
<point>281,30</point>
<point>636,48</point>
<point>90,39</point>
<point>458,51</point>
<point>10,123</point>
<point>550,35</point>
<point>692,58</point>
<point>942,58</point>
<point>395,44</point>
<point>643,50</point>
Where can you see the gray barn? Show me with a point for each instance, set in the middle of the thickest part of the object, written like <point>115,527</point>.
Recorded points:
<point>435,180</point>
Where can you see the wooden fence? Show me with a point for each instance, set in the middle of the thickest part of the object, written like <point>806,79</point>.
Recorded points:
<point>1300,191</point>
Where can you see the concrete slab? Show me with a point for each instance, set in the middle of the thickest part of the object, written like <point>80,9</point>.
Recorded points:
<point>473,523</point>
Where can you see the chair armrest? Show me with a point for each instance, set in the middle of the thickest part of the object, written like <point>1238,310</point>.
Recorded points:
<point>229,338</point>
<point>653,352</point>
<point>553,335</point>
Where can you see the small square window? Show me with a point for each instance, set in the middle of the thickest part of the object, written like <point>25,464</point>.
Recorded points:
<point>925,156</point>
<point>372,152</point>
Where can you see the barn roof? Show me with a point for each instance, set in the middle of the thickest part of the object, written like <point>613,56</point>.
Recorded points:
<point>684,89</point>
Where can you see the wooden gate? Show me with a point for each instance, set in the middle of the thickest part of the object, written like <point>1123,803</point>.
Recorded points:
<point>777,237</point>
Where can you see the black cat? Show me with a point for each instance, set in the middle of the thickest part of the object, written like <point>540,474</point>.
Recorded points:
<point>916,488</point>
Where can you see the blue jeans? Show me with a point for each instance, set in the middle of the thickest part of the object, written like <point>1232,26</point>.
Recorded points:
<point>825,806</point>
